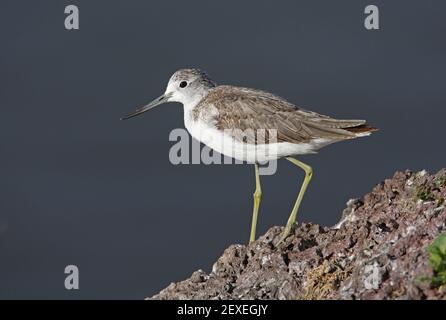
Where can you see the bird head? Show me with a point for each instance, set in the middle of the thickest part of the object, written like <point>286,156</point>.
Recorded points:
<point>185,86</point>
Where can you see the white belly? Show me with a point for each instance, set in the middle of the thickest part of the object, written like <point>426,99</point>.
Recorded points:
<point>223,143</point>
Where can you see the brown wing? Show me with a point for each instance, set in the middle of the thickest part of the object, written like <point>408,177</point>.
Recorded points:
<point>250,115</point>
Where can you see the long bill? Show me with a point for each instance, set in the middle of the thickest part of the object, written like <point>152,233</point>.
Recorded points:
<point>160,100</point>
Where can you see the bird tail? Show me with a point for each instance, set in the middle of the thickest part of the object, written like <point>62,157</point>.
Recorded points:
<point>362,130</point>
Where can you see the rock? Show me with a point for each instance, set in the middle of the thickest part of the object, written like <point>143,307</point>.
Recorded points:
<point>376,251</point>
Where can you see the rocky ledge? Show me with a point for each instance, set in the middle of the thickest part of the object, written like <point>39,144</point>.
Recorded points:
<point>379,250</point>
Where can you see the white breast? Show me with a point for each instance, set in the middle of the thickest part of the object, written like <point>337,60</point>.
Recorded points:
<point>204,130</point>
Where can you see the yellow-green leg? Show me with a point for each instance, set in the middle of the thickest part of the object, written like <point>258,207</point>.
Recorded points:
<point>255,211</point>
<point>292,219</point>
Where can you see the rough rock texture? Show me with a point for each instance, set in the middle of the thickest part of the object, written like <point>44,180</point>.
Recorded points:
<point>376,251</point>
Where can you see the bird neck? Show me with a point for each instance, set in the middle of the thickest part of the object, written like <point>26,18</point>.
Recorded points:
<point>190,107</point>
<point>192,101</point>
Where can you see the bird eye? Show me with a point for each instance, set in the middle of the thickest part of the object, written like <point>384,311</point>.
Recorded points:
<point>183,84</point>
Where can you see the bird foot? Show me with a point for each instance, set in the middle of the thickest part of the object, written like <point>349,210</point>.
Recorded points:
<point>286,232</point>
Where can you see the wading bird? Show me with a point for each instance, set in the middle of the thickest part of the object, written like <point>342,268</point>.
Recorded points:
<point>254,126</point>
